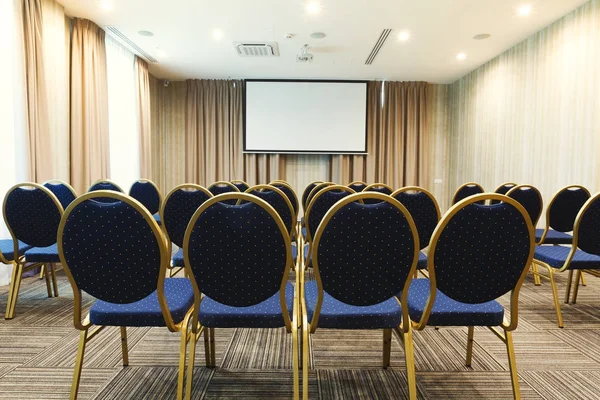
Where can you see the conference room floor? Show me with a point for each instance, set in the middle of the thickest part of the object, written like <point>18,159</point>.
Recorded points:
<point>37,353</point>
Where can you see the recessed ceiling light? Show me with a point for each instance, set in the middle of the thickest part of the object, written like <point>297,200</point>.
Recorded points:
<point>525,10</point>
<point>145,33</point>
<point>218,34</point>
<point>404,36</point>
<point>106,5</point>
<point>317,35</point>
<point>461,56</point>
<point>482,36</point>
<point>313,7</point>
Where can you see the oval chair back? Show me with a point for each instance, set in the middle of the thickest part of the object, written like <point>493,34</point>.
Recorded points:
<point>586,234</point>
<point>147,193</point>
<point>313,192</point>
<point>32,214</point>
<point>221,187</point>
<point>178,208</point>
<point>530,198</point>
<point>289,192</point>
<point>466,190</point>
<point>306,192</point>
<point>234,262</point>
<point>105,184</point>
<point>62,190</point>
<point>320,204</point>
<point>278,200</point>
<point>503,189</point>
<point>357,186</point>
<point>379,256</point>
<point>423,209</point>
<point>241,185</point>
<point>565,206</point>
<point>379,188</point>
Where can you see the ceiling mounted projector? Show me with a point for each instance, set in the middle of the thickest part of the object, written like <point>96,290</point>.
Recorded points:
<point>304,56</point>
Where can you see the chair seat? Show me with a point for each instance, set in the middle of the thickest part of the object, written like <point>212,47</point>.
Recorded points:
<point>267,314</point>
<point>338,315</point>
<point>7,249</point>
<point>553,237</point>
<point>146,312</point>
<point>157,218</point>
<point>448,312</point>
<point>422,263</point>
<point>178,259</point>
<point>555,256</point>
<point>43,254</point>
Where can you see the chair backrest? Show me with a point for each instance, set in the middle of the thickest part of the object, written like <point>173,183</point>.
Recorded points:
<point>318,187</point>
<point>364,254</point>
<point>357,186</point>
<point>278,200</point>
<point>565,206</point>
<point>289,192</point>
<point>379,188</point>
<point>423,208</point>
<point>178,208</point>
<point>503,189</point>
<point>320,204</point>
<point>221,187</point>
<point>62,190</point>
<point>586,232</point>
<point>241,185</point>
<point>147,193</point>
<point>466,190</point>
<point>32,214</point>
<point>530,198</point>
<point>105,184</point>
<point>307,191</point>
<point>238,255</point>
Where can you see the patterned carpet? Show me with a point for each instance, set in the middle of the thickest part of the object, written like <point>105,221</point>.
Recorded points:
<point>37,353</point>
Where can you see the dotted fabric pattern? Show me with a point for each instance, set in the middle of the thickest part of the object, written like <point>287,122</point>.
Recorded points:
<point>242,186</point>
<point>481,252</point>
<point>7,249</point>
<point>105,186</point>
<point>424,213</point>
<point>146,312</point>
<point>553,237</point>
<point>290,195</point>
<point>555,256</point>
<point>564,209</point>
<point>267,314</point>
<point>357,187</point>
<point>147,194</point>
<point>62,192</point>
<point>237,254</point>
<point>179,209</point>
<point>321,205</point>
<point>338,315</point>
<point>502,190</point>
<point>382,190</point>
<point>531,201</point>
<point>365,253</point>
<point>449,312</point>
<point>589,229</point>
<point>220,189</point>
<point>305,194</point>
<point>467,191</point>
<point>279,204</point>
<point>111,251</point>
<point>422,263</point>
<point>43,254</point>
<point>33,216</point>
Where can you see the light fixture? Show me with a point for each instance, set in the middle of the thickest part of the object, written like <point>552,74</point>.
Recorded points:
<point>145,33</point>
<point>482,36</point>
<point>317,35</point>
<point>524,10</point>
<point>218,34</point>
<point>106,5</point>
<point>403,36</point>
<point>461,56</point>
<point>313,7</point>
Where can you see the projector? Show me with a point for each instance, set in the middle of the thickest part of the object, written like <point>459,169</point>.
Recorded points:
<point>304,55</point>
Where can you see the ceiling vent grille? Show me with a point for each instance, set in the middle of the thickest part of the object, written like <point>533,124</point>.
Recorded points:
<point>257,49</point>
<point>380,42</point>
<point>119,36</point>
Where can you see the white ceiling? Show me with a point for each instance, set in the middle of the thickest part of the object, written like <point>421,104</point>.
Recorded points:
<point>439,29</point>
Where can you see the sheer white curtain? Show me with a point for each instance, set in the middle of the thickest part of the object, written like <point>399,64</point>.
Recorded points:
<point>123,127</point>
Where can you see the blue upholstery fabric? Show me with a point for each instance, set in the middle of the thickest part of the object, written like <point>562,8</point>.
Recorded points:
<point>62,192</point>
<point>220,189</point>
<point>588,231</point>
<point>338,315</point>
<point>381,189</point>
<point>303,231</point>
<point>43,254</point>
<point>147,194</point>
<point>290,195</point>
<point>157,218</point>
<point>553,237</point>
<point>564,209</point>
<point>466,191</point>
<point>111,251</point>
<point>267,314</point>
<point>237,254</point>
<point>242,186</point>
<point>481,252</point>
<point>448,312</point>
<point>422,263</point>
<point>502,190</point>
<point>178,211</point>
<point>7,249</point>
<point>320,206</point>
<point>423,210</point>
<point>365,253</point>
<point>531,200</point>
<point>146,312</point>
<point>104,185</point>
<point>358,187</point>
<point>33,216</point>
<point>555,256</point>
<point>295,252</point>
<point>178,259</point>
<point>305,194</point>
<point>279,204</point>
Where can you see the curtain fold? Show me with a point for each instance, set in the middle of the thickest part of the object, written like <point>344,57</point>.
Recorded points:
<point>144,117</point>
<point>89,105</point>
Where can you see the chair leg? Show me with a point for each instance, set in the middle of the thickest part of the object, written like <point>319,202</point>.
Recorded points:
<point>305,350</point>
<point>213,361</point>
<point>190,368</point>
<point>47,276</point>
<point>536,277</point>
<point>470,346</point>
<point>568,291</point>
<point>54,282</point>
<point>583,283</point>
<point>295,361</point>
<point>185,337</point>
<point>555,296</point>
<point>42,271</point>
<point>387,347</point>
<point>578,276</point>
<point>512,362</point>
<point>207,352</point>
<point>78,364</point>
<point>409,355</point>
<point>124,346</point>
<point>13,292</point>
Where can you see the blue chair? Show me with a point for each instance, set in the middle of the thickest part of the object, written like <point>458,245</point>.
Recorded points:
<point>316,187</point>
<point>32,214</point>
<point>379,188</point>
<point>221,187</point>
<point>425,211</point>
<point>62,190</point>
<point>357,186</point>
<point>277,199</point>
<point>105,184</point>
<point>239,259</point>
<point>122,263</point>
<point>503,189</point>
<point>363,255</point>
<point>176,211</point>
<point>289,192</point>
<point>146,192</point>
<point>582,255</point>
<point>466,190</point>
<point>477,254</point>
<point>241,185</point>
<point>307,191</point>
<point>561,214</point>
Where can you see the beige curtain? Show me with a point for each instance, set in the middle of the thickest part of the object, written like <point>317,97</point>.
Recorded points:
<point>144,117</point>
<point>89,105</point>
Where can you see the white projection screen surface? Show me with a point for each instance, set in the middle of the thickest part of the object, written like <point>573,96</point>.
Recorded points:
<point>305,117</point>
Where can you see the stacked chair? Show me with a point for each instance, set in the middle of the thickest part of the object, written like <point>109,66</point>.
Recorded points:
<point>221,187</point>
<point>147,193</point>
<point>466,190</point>
<point>379,188</point>
<point>357,186</point>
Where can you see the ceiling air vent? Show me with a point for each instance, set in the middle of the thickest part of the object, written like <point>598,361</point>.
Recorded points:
<point>380,42</point>
<point>121,38</point>
<point>257,49</point>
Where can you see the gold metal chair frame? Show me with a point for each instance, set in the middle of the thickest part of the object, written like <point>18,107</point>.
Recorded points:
<point>313,192</point>
<point>507,327</point>
<point>357,183</point>
<point>404,331</point>
<point>463,186</point>
<point>223,183</point>
<point>106,181</point>
<point>376,185</point>
<point>19,261</point>
<point>88,330</point>
<point>295,205</point>
<point>209,343</point>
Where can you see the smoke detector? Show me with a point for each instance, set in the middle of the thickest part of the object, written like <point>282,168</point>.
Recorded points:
<point>304,56</point>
